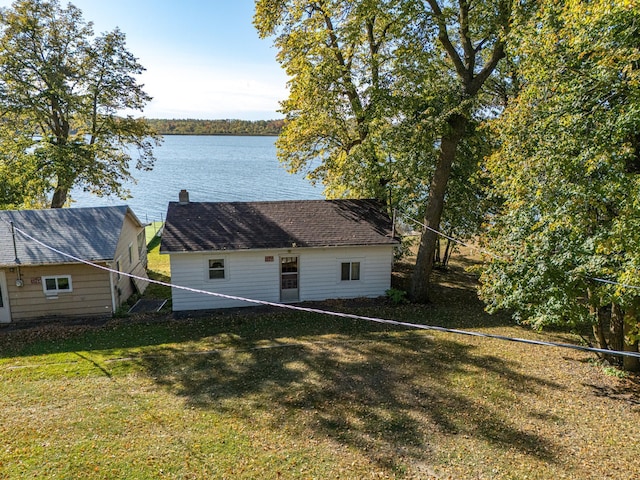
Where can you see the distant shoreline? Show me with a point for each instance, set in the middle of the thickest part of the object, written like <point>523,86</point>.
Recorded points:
<point>228,127</point>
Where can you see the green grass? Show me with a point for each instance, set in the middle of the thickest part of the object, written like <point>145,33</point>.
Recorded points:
<point>271,394</point>
<point>267,394</point>
<point>158,266</point>
<point>152,229</point>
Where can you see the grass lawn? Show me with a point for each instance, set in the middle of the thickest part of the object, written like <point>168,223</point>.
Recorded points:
<point>158,266</point>
<point>265,394</point>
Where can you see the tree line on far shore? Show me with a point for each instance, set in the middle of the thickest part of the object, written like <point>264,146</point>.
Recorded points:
<point>513,122</point>
<point>215,127</point>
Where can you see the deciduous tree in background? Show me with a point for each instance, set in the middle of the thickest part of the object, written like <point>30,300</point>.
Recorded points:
<point>338,55</point>
<point>569,172</point>
<point>468,39</point>
<point>385,95</point>
<point>62,94</point>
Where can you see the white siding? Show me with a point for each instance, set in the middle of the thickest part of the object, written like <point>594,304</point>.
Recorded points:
<point>249,275</point>
<point>246,275</point>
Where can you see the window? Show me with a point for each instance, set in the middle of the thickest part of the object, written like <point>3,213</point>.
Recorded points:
<point>216,268</point>
<point>141,242</point>
<point>142,248</point>
<point>57,284</point>
<point>131,254</point>
<point>350,271</point>
<point>118,276</point>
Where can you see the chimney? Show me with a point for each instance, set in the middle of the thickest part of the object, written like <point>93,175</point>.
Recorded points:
<point>183,197</point>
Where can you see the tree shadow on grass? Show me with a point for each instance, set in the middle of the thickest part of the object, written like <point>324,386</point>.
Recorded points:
<point>388,395</point>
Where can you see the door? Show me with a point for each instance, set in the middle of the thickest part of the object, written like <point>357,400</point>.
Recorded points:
<point>289,279</point>
<point>5,313</point>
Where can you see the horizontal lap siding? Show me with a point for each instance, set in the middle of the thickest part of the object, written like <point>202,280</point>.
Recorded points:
<point>320,273</point>
<point>91,295</point>
<point>250,276</point>
<point>128,236</point>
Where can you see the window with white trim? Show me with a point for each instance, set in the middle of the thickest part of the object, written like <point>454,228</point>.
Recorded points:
<point>131,254</point>
<point>349,271</point>
<point>216,269</point>
<point>57,284</point>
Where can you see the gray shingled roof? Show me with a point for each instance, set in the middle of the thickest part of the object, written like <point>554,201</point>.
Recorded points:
<point>88,233</point>
<point>203,226</point>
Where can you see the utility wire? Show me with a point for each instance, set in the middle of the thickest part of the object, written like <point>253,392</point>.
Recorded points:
<point>339,314</point>
<point>455,240</point>
<point>495,255</point>
<point>611,282</point>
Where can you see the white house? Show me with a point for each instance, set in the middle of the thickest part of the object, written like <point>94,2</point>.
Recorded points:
<point>282,251</point>
<point>39,283</point>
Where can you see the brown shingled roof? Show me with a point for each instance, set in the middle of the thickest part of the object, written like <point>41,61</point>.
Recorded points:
<point>205,226</point>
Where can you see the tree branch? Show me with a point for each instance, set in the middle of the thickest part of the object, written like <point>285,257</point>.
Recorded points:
<point>443,36</point>
<point>465,38</point>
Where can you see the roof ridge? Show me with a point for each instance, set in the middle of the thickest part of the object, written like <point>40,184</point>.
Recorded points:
<point>210,226</point>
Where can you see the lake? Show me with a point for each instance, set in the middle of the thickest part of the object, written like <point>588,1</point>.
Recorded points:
<point>212,169</point>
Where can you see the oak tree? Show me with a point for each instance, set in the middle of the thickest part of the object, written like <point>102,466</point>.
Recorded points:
<point>468,39</point>
<point>338,56</point>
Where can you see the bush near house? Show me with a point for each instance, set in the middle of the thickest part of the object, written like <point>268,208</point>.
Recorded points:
<point>262,393</point>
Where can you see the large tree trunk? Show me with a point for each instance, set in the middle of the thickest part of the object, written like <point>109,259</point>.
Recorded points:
<point>616,331</point>
<point>59,197</point>
<point>631,364</point>
<point>435,204</point>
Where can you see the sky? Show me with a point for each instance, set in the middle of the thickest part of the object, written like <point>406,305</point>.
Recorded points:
<point>203,58</point>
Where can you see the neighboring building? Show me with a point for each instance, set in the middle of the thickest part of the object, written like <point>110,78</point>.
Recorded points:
<point>37,282</point>
<point>283,251</point>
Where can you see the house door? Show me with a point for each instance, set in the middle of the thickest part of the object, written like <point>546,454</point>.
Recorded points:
<point>289,279</point>
<point>5,313</point>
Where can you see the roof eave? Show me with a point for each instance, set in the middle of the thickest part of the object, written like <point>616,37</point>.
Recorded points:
<point>50,264</point>
<point>284,248</point>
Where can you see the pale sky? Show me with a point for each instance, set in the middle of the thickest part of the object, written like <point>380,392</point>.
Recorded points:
<point>204,58</point>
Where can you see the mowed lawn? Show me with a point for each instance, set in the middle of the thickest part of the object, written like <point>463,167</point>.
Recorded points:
<point>270,394</point>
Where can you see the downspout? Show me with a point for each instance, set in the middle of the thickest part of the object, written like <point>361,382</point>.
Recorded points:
<point>393,225</point>
<point>113,292</point>
<point>19,282</point>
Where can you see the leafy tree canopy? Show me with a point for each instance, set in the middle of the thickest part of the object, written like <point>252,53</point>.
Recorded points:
<point>385,95</point>
<point>567,170</point>
<point>62,95</point>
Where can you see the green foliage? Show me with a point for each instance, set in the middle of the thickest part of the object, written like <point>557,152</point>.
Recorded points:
<point>567,168</point>
<point>396,296</point>
<point>614,372</point>
<point>339,56</point>
<point>386,97</point>
<point>63,91</point>
<point>216,127</point>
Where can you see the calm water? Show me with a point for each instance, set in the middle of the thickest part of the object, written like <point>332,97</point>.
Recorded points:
<point>212,168</point>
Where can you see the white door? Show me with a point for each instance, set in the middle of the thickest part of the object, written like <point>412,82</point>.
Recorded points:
<point>289,279</point>
<point>5,313</point>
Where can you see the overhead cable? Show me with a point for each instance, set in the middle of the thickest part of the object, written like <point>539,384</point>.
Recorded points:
<point>444,235</point>
<point>495,255</point>
<point>339,314</point>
